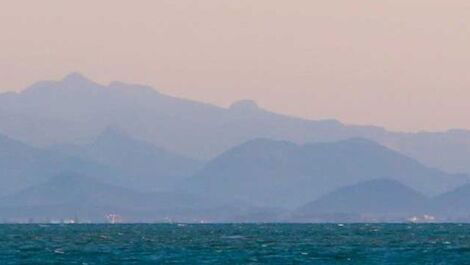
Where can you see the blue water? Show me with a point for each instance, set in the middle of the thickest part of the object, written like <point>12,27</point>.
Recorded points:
<point>236,244</point>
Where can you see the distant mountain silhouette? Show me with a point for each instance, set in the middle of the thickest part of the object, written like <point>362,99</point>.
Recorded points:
<point>75,108</point>
<point>281,173</point>
<point>144,166</point>
<point>71,195</point>
<point>380,197</point>
<point>455,203</point>
<point>73,189</point>
<point>24,166</point>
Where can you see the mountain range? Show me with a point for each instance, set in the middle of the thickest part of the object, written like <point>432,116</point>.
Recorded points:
<point>141,165</point>
<point>269,172</point>
<point>88,199</point>
<point>78,196</point>
<point>74,109</point>
<point>383,200</point>
<point>373,198</point>
<point>78,148</point>
<point>113,157</point>
<point>23,166</point>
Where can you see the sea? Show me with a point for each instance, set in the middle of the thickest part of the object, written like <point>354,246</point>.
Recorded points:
<point>360,244</point>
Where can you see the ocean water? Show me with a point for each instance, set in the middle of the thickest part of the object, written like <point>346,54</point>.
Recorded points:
<point>361,244</point>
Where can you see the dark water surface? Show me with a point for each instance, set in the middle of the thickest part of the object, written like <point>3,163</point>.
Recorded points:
<point>236,244</point>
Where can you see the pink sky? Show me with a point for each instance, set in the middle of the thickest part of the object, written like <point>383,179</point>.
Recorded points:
<point>402,64</point>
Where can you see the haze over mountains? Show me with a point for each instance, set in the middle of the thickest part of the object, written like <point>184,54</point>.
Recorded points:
<point>75,108</point>
<point>143,166</point>
<point>23,166</point>
<point>374,197</point>
<point>75,146</point>
<point>385,200</point>
<point>113,158</point>
<point>70,195</point>
<point>282,173</point>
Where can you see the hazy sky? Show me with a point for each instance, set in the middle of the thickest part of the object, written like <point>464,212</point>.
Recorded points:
<point>403,64</point>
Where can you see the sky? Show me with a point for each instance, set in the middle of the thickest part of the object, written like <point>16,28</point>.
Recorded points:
<point>401,64</point>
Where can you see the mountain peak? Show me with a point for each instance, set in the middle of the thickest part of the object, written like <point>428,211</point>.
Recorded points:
<point>76,80</point>
<point>75,77</point>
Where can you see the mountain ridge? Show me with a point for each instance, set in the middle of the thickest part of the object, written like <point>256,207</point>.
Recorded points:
<point>373,197</point>
<point>23,165</point>
<point>55,112</point>
<point>280,172</point>
<point>144,167</point>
